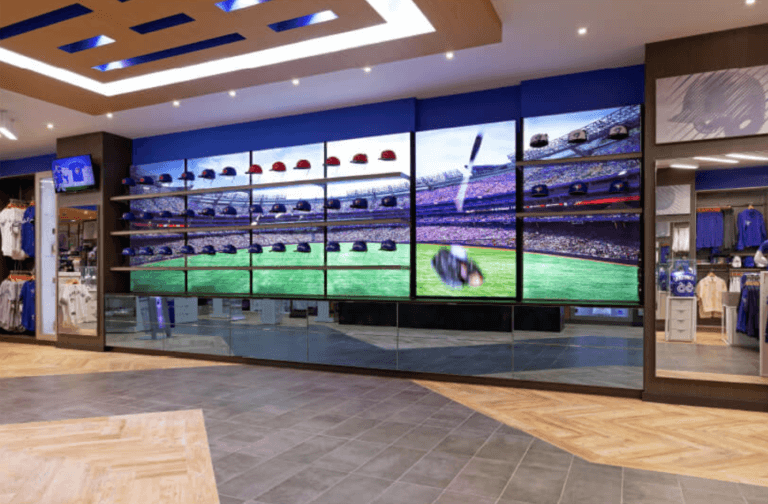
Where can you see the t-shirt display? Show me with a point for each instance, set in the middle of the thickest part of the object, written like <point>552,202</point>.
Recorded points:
<point>709,291</point>
<point>27,298</point>
<point>751,229</point>
<point>28,231</point>
<point>709,230</point>
<point>11,220</point>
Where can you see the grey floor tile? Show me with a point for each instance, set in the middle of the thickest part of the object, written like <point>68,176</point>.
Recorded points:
<point>312,449</point>
<point>457,498</point>
<point>233,464</point>
<point>275,444</point>
<point>260,479</point>
<point>641,476</point>
<point>462,443</point>
<point>246,435</point>
<point>423,437</point>
<point>302,487</point>
<point>688,483</point>
<point>637,491</point>
<point>350,456</point>
<point>407,493</point>
<point>436,469</point>
<point>385,432</point>
<point>545,456</point>
<point>481,423</point>
<point>321,422</point>
<point>352,427</point>
<point>706,497</point>
<point>354,489</point>
<point>505,447</point>
<point>478,485</point>
<point>754,494</point>
<point>537,485</point>
<point>592,483</point>
<point>391,463</point>
<point>353,406</point>
<point>414,414</point>
<point>223,499</point>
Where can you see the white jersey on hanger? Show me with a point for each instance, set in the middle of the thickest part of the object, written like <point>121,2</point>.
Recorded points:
<point>10,231</point>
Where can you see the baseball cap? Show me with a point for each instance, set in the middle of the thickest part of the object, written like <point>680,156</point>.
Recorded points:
<point>208,174</point>
<point>129,252</point>
<point>208,212</point>
<point>748,262</point>
<point>165,214</point>
<point>278,208</point>
<point>389,201</point>
<point>360,159</point>
<point>228,171</point>
<point>189,212</point>
<point>128,181</point>
<point>256,209</point>
<point>146,181</point>
<point>736,263</point>
<point>577,189</point>
<point>359,246</point>
<point>540,191</point>
<point>229,210</point>
<point>577,136</point>
<point>228,249</point>
<point>208,250</point>
<point>619,132</point>
<point>618,186</point>
<point>146,251</point>
<point>388,155</point>
<point>360,203</point>
<point>303,164</point>
<point>129,216</point>
<point>333,204</point>
<point>278,247</point>
<point>303,206</point>
<point>278,167</point>
<point>388,245</point>
<point>187,176</point>
<point>165,178</point>
<point>332,161</point>
<point>540,140</point>
<point>255,249</point>
<point>147,215</point>
<point>303,247</point>
<point>255,169</point>
<point>164,251</point>
<point>187,250</point>
<point>333,247</point>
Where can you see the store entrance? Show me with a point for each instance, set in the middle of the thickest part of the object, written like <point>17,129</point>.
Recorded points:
<point>711,276</point>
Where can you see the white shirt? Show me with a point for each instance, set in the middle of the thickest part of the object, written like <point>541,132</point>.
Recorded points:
<point>681,239</point>
<point>710,291</point>
<point>10,232</point>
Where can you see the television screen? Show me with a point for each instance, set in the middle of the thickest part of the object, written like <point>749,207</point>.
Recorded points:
<point>73,174</point>
<point>465,211</point>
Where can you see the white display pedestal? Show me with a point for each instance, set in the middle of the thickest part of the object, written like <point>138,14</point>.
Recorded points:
<point>220,308</point>
<point>185,310</point>
<point>271,311</point>
<point>323,312</point>
<point>681,319</point>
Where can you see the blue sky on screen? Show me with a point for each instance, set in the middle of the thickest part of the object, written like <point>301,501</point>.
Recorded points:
<point>445,150</point>
<point>174,168</point>
<point>562,124</point>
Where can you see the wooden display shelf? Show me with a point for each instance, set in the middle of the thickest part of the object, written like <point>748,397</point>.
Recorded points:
<point>255,268</point>
<point>592,159</point>
<point>270,185</point>
<point>277,225</point>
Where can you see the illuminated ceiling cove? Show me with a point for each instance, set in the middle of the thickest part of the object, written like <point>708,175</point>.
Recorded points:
<point>99,56</point>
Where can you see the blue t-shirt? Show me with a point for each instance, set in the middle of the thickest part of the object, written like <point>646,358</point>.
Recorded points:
<point>77,173</point>
<point>28,232</point>
<point>27,299</point>
<point>751,228</point>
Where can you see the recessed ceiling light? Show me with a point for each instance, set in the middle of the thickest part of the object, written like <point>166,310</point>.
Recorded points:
<point>176,103</point>
<point>716,160</point>
<point>684,166</point>
<point>295,82</point>
<point>367,69</point>
<point>110,115</point>
<point>748,157</point>
<point>233,93</point>
<point>449,55</point>
<point>50,126</point>
<point>582,31</point>
<point>750,2</point>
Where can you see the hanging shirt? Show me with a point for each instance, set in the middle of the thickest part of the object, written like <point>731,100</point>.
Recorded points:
<point>28,232</point>
<point>681,239</point>
<point>709,230</point>
<point>710,291</point>
<point>27,298</point>
<point>729,229</point>
<point>10,232</point>
<point>663,255</point>
<point>751,229</point>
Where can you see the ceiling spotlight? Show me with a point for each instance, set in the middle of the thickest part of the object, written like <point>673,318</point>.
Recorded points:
<point>233,93</point>
<point>449,55</point>
<point>49,125</point>
<point>6,126</point>
<point>716,160</point>
<point>176,103</point>
<point>750,2</point>
<point>748,157</point>
<point>110,115</point>
<point>582,31</point>
<point>295,82</point>
<point>684,166</point>
<point>367,69</point>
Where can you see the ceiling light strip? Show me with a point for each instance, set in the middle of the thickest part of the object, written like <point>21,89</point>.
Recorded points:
<point>162,24</point>
<point>90,43</point>
<point>43,20</point>
<point>716,160</point>
<point>748,157</point>
<point>300,22</point>
<point>233,5</point>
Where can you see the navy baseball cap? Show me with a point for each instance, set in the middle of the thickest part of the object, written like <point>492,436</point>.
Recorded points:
<point>229,210</point>
<point>147,215</point>
<point>388,246</point>
<point>333,204</point>
<point>128,181</point>
<point>189,212</point>
<point>165,178</point>
<point>540,140</point>
<point>187,176</point>
<point>303,247</point>
<point>359,246</point>
<point>540,191</point>
<point>618,186</point>
<point>255,249</point>
<point>165,214</point>
<point>577,189</point>
<point>389,201</point>
<point>256,209</point>
<point>164,251</point>
<point>187,250</point>
<point>208,212</point>
<point>129,252</point>
<point>278,208</point>
<point>228,171</point>
<point>146,181</point>
<point>228,249</point>
<point>208,250</point>
<point>748,262</point>
<point>333,247</point>
<point>208,174</point>
<point>278,247</point>
<point>303,206</point>
<point>146,251</point>
<point>360,203</point>
<point>129,216</point>
<point>618,132</point>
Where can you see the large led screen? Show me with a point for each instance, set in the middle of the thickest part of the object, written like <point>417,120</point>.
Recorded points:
<point>584,258</point>
<point>465,211</point>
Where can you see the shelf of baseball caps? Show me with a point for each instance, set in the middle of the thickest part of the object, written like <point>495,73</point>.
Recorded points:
<point>164,229</point>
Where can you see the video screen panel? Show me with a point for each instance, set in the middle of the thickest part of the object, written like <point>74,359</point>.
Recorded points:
<point>157,281</point>
<point>286,248</point>
<point>465,211</point>
<point>568,187</point>
<point>582,258</point>
<point>73,174</point>
<point>583,134</point>
<point>219,249</point>
<point>147,178</point>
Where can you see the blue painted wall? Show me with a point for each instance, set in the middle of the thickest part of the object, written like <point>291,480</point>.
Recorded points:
<point>494,105</point>
<point>26,166</point>
<point>732,178</point>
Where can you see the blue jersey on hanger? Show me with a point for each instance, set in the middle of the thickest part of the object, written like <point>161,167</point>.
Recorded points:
<point>751,228</point>
<point>28,232</point>
<point>27,299</point>
<point>709,230</point>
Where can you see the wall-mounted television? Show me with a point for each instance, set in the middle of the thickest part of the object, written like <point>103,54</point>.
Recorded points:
<point>73,174</point>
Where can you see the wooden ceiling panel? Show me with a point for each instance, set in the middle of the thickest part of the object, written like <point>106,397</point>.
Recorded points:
<point>459,24</point>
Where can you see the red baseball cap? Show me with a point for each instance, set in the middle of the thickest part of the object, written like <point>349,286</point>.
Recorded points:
<point>388,155</point>
<point>303,164</point>
<point>333,161</point>
<point>279,166</point>
<point>360,159</point>
<point>255,169</point>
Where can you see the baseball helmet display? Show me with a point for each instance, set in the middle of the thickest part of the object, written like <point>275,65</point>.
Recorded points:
<point>188,176</point>
<point>146,251</point>
<point>303,206</point>
<point>278,247</point>
<point>128,181</point>
<point>540,191</point>
<point>304,248</point>
<point>228,171</point>
<point>208,174</point>
<point>388,246</point>
<point>360,159</point>
<point>578,136</point>
<point>578,189</point>
<point>256,209</point>
<point>208,250</point>
<point>164,250</point>
<point>228,249</point>
<point>618,186</point>
<point>187,250</point>
<point>359,246</point>
<point>208,212</point>
<point>278,208</point>
<point>539,140</point>
<point>146,215</point>
<point>165,178</point>
<point>129,252</point>
<point>618,133</point>
<point>332,161</point>
<point>255,249</point>
<point>146,181</point>
<point>255,170</point>
<point>389,201</point>
<point>359,203</point>
<point>333,204</point>
<point>303,164</point>
<point>165,214</point>
<point>333,247</point>
<point>229,210</point>
<point>388,155</point>
<point>278,167</point>
<point>189,212</point>
<point>129,216</point>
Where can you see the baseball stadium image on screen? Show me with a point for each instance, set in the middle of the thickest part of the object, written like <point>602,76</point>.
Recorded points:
<point>287,164</point>
<point>585,258</point>
<point>220,249</point>
<point>465,211</point>
<point>146,179</point>
<point>151,251</point>
<point>583,134</point>
<point>286,248</point>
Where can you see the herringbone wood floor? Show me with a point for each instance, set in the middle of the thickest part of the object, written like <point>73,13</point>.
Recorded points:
<point>710,443</point>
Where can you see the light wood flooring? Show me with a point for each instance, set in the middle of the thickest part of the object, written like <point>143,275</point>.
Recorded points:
<point>18,360</point>
<point>131,459</point>
<point>729,378</point>
<point>702,338</point>
<point>710,443</point>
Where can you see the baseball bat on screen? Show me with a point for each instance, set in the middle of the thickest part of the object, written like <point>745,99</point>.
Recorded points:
<point>468,173</point>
